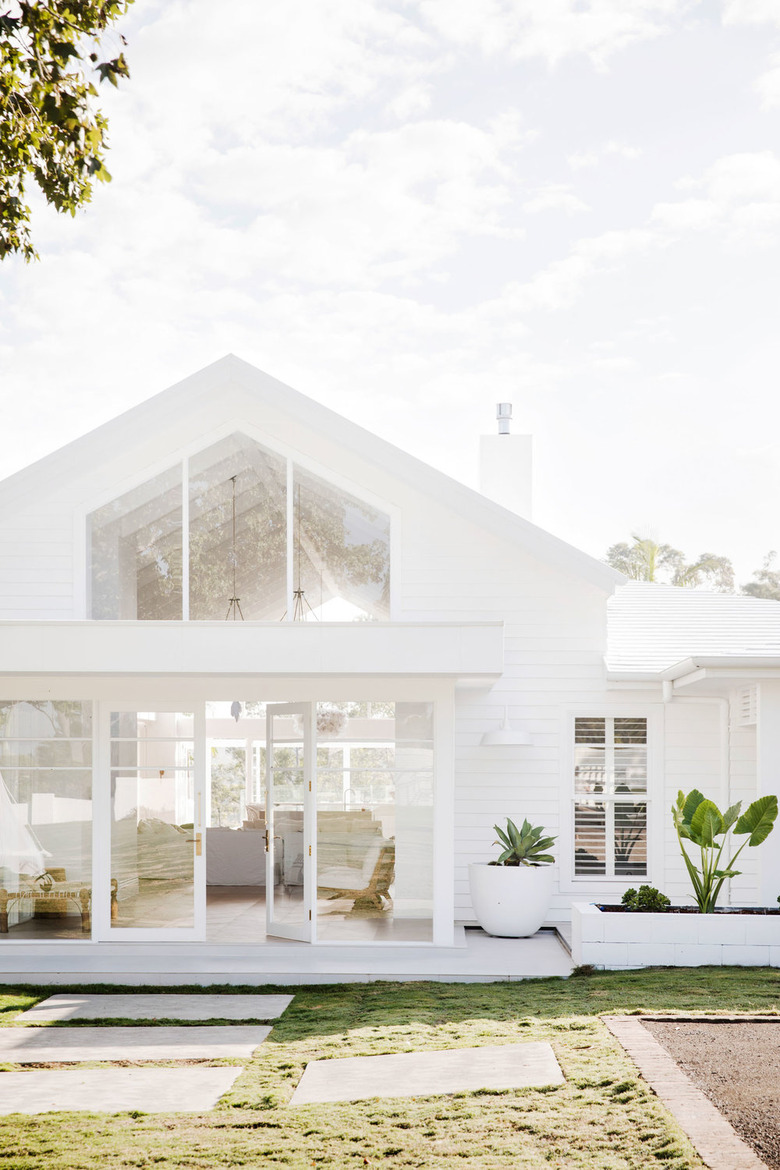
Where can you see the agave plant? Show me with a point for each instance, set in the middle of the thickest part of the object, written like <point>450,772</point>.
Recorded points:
<point>700,821</point>
<point>524,846</point>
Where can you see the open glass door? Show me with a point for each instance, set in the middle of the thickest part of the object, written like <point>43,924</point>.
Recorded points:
<point>289,820</point>
<point>155,854</point>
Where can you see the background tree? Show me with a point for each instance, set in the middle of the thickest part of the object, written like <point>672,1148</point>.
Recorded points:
<point>766,581</point>
<point>50,130</point>
<point>647,560</point>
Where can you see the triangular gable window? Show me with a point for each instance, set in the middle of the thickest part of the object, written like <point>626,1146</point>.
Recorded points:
<point>238,531</point>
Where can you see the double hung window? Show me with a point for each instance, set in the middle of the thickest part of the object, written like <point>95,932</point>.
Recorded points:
<point>610,797</point>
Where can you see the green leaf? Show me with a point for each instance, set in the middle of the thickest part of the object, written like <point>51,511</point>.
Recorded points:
<point>758,819</point>
<point>707,823</point>
<point>690,803</point>
<point>731,815</point>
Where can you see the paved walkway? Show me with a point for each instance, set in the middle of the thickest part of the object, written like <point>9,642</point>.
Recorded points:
<point>158,1007</point>
<point>425,1074</point>
<point>114,1090</point>
<point>718,1143</point>
<point>45,1045</point>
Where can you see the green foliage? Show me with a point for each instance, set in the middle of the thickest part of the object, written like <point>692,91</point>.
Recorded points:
<point>645,900</point>
<point>701,822</point>
<point>524,846</point>
<point>646,560</point>
<point>50,130</point>
<point>766,580</point>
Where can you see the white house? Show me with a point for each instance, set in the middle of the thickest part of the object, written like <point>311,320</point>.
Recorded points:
<point>251,661</point>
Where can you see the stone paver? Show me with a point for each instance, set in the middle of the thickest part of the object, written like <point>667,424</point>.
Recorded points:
<point>424,1074</point>
<point>115,1090</point>
<point>719,1145</point>
<point>42,1045</point>
<point>158,1007</point>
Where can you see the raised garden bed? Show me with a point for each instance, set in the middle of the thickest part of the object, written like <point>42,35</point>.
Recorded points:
<point>611,938</point>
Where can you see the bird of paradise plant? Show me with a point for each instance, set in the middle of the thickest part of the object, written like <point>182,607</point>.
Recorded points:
<point>701,822</point>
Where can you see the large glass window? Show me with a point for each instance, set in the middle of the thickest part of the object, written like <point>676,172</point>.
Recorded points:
<point>45,819</point>
<point>342,554</point>
<point>135,547</point>
<point>610,797</point>
<point>217,538</point>
<point>238,532</point>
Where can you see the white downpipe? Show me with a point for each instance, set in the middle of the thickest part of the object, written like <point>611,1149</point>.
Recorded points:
<point>724,704</point>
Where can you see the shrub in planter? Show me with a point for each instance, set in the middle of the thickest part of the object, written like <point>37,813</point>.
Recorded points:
<point>701,822</point>
<point>511,896</point>
<point>645,900</point>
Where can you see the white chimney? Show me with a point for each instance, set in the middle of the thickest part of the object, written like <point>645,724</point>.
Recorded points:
<point>505,465</point>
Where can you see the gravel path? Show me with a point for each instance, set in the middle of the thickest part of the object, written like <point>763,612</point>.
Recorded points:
<point>737,1065</point>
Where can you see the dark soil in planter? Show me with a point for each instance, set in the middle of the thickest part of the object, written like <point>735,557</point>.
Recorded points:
<point>736,1065</point>
<point>617,909</point>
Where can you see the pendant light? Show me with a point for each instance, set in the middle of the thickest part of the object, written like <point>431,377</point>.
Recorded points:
<point>234,604</point>
<point>506,735</point>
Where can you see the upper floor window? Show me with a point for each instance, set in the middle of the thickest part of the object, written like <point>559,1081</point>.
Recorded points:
<point>238,531</point>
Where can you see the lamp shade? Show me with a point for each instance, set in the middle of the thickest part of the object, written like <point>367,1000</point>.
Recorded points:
<point>506,736</point>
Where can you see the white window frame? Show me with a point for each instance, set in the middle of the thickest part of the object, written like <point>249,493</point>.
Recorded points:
<point>181,458</point>
<point>595,884</point>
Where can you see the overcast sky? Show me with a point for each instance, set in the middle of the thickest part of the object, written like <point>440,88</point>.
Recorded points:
<point>413,209</point>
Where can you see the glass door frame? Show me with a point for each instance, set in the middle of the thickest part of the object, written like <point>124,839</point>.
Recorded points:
<point>306,931</point>
<point>102,929</point>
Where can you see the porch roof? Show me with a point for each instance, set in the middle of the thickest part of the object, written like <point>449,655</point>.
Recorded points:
<point>472,651</point>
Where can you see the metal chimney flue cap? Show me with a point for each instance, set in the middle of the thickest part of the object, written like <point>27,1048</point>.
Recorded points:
<point>503,414</point>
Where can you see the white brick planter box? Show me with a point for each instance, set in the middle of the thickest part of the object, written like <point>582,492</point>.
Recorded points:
<point>622,941</point>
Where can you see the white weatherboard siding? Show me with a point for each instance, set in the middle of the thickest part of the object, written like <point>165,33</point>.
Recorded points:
<point>693,759</point>
<point>553,657</point>
<point>36,563</point>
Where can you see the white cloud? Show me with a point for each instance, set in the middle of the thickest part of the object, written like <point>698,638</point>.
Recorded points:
<point>740,198</point>
<point>580,160</point>
<point>551,30</point>
<point>750,12</point>
<point>554,197</point>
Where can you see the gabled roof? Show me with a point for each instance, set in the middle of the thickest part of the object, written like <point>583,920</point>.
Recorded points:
<point>651,628</point>
<point>232,374</point>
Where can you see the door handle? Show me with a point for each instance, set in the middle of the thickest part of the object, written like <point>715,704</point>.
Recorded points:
<point>197,841</point>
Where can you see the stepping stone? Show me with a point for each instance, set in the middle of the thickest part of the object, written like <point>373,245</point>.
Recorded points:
<point>43,1045</point>
<point>158,1007</point>
<point>114,1090</point>
<point>424,1074</point>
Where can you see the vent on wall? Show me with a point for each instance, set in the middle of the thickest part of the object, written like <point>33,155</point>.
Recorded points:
<point>747,706</point>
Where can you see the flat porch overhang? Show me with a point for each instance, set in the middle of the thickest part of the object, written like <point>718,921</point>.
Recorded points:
<point>465,651</point>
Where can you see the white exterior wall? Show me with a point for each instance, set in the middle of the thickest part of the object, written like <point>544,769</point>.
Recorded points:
<point>693,758</point>
<point>446,567</point>
<point>36,562</point>
<point>743,778</point>
<point>555,638</point>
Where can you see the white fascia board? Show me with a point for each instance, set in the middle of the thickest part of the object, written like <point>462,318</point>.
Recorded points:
<point>694,670</point>
<point>231,372</point>
<point>473,650</point>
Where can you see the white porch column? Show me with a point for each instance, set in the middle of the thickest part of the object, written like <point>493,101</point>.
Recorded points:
<point>768,782</point>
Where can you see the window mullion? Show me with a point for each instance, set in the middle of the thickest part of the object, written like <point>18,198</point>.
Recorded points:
<point>185,539</point>
<point>290,540</point>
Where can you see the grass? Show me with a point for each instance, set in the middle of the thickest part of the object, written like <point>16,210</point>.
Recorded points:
<point>603,1117</point>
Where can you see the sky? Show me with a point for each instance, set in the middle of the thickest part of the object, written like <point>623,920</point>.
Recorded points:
<point>413,209</point>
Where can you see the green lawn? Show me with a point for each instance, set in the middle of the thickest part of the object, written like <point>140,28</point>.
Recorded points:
<point>603,1117</point>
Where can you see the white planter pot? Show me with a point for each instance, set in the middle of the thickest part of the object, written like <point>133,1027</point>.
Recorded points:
<point>623,941</point>
<point>511,901</point>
